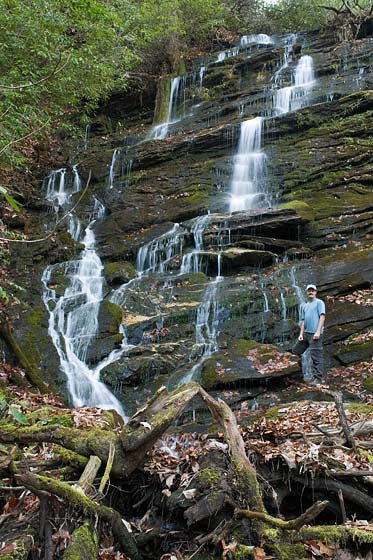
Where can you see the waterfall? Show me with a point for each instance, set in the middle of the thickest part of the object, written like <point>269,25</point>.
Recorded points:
<point>73,316</point>
<point>114,158</point>
<point>259,39</point>
<point>160,131</point>
<point>191,261</point>
<point>249,167</point>
<point>288,51</point>
<point>291,98</point>
<point>223,55</point>
<point>156,255</point>
<point>206,329</point>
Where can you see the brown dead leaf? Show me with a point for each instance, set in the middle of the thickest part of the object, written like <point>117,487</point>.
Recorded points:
<point>259,554</point>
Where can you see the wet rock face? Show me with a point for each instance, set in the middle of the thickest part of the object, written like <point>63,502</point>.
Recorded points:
<point>315,223</point>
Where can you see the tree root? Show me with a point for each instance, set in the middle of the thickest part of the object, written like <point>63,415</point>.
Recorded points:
<point>75,499</point>
<point>309,515</point>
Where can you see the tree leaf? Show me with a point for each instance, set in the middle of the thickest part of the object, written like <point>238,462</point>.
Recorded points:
<point>17,415</point>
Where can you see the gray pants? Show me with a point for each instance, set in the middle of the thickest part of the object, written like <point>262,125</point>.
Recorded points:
<point>316,352</point>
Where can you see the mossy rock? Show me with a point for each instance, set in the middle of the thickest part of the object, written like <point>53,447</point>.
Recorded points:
<point>243,552</point>
<point>233,366</point>
<point>361,408</point>
<point>302,208</point>
<point>283,551</point>
<point>117,273</point>
<point>356,352</point>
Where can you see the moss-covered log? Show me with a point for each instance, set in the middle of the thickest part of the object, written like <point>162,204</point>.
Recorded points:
<point>130,445</point>
<point>83,545</point>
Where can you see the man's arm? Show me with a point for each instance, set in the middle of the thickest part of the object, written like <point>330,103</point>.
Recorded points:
<point>320,325</point>
<point>300,337</point>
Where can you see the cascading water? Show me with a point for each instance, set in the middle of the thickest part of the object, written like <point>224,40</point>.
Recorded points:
<point>160,131</point>
<point>288,51</point>
<point>248,186</point>
<point>249,167</point>
<point>112,169</point>
<point>73,316</point>
<point>292,98</point>
<point>258,39</point>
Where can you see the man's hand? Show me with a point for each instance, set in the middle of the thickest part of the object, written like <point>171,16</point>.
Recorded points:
<point>316,336</point>
<point>300,338</point>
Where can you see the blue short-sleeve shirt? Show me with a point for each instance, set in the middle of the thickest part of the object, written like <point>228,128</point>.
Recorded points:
<point>310,313</point>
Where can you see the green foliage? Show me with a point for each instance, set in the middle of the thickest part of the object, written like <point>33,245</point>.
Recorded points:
<point>293,15</point>
<point>17,415</point>
<point>58,59</point>
<point>10,200</point>
<point>54,55</point>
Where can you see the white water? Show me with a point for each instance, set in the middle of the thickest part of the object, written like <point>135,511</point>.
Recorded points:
<point>160,131</point>
<point>249,167</point>
<point>73,316</point>
<point>112,170</point>
<point>287,56</point>
<point>259,39</point>
<point>249,170</point>
<point>293,97</point>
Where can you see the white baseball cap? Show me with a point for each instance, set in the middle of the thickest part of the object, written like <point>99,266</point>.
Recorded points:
<point>311,287</point>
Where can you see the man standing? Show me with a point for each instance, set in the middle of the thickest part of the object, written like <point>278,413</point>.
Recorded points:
<point>312,318</point>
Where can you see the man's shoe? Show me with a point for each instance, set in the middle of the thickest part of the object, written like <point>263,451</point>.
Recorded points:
<point>315,381</point>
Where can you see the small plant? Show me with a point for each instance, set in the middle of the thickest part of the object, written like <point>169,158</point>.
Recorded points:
<point>9,199</point>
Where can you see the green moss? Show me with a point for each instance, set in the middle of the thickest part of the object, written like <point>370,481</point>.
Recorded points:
<point>335,533</point>
<point>208,373</point>
<point>243,552</point>
<point>366,454</point>
<point>114,310</point>
<point>119,270</point>
<point>242,346</point>
<point>289,551</point>
<point>33,343</point>
<point>361,408</point>
<point>83,545</point>
<point>302,208</point>
<point>209,476</point>
<point>48,417</point>
<point>69,457</point>
<point>19,553</point>
<point>271,533</point>
<point>368,384</point>
<point>162,101</point>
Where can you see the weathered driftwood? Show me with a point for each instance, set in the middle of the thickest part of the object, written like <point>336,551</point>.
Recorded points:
<point>89,474</point>
<point>338,399</point>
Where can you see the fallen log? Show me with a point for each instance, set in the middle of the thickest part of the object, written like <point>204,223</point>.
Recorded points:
<point>128,447</point>
<point>351,494</point>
